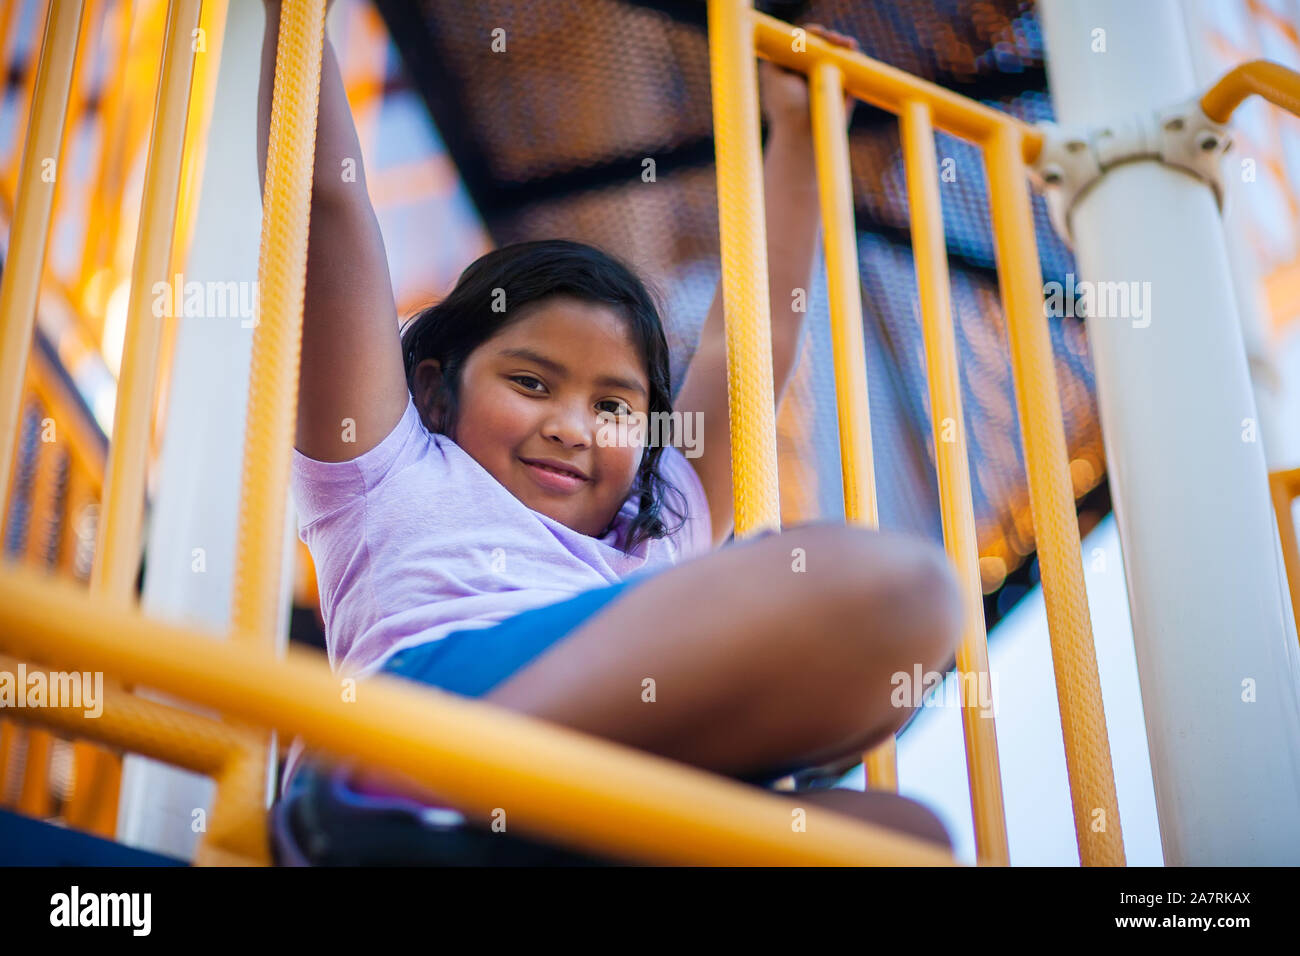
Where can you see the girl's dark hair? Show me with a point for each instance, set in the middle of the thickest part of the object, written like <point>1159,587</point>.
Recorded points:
<point>492,293</point>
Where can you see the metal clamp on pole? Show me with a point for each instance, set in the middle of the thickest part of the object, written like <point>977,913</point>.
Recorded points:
<point>1073,160</point>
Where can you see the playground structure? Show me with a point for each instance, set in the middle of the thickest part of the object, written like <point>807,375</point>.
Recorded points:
<point>566,787</point>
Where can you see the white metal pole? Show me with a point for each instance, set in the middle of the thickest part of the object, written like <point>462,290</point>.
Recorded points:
<point>191,540</point>
<point>1219,670</point>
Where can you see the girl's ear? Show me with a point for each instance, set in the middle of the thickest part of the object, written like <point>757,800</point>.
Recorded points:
<point>430,394</point>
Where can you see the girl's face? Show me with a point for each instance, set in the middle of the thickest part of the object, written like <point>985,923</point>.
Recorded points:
<point>530,397</point>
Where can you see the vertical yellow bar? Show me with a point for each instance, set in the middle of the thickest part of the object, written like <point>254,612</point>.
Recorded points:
<point>117,555</point>
<point>94,285</point>
<point>29,233</point>
<point>207,43</point>
<point>277,339</point>
<point>272,394</point>
<point>34,796</point>
<point>835,190</point>
<point>955,501</point>
<point>117,551</point>
<point>83,61</point>
<point>743,231</point>
<point>1284,486</point>
<point>26,104</point>
<point>1051,499</point>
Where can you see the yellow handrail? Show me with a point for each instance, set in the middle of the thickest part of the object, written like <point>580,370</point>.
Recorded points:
<point>887,87</point>
<point>568,785</point>
<point>550,781</point>
<point>1273,81</point>
<point>1008,144</point>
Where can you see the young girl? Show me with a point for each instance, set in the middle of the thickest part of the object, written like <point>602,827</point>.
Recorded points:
<point>474,529</point>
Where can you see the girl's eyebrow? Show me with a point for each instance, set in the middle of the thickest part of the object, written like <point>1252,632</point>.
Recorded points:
<point>611,381</point>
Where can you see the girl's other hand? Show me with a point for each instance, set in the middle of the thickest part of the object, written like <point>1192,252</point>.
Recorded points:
<point>784,93</point>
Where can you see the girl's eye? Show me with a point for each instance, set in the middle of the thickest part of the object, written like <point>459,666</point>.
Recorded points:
<point>620,408</point>
<point>525,379</point>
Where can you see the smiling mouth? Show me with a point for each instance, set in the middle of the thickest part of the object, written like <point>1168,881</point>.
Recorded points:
<point>554,479</point>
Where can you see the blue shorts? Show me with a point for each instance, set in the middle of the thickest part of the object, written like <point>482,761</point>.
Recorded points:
<point>321,809</point>
<point>473,661</point>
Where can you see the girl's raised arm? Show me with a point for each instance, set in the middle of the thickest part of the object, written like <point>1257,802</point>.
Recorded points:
<point>352,384</point>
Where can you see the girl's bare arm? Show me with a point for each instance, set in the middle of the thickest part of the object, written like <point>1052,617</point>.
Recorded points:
<point>351,352</point>
<point>793,218</point>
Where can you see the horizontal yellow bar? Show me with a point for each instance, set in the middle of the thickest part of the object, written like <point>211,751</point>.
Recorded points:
<point>889,88</point>
<point>551,781</point>
<point>137,724</point>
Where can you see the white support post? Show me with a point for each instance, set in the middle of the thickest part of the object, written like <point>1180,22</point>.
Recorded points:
<point>1219,668</point>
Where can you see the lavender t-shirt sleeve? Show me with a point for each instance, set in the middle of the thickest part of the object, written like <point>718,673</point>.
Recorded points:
<point>325,488</point>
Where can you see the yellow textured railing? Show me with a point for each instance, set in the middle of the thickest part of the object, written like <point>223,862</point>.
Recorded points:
<point>955,501</point>
<point>1008,144</point>
<point>1284,486</point>
<point>848,349</point>
<point>1051,498</point>
<point>273,375</point>
<point>29,235</point>
<point>559,783</point>
<point>746,307</point>
<point>553,782</point>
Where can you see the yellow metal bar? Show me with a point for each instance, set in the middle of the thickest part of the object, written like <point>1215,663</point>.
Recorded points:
<point>118,549</point>
<point>28,237</point>
<point>1284,487</point>
<point>273,379</point>
<point>83,61</point>
<point>553,782</point>
<point>96,278</point>
<point>8,19</point>
<point>34,797</point>
<point>117,555</point>
<point>26,100</point>
<point>1051,497</point>
<point>212,26</point>
<point>955,501</point>
<point>746,306</point>
<point>136,724</point>
<point>848,348</point>
<point>1273,81</point>
<point>11,735</point>
<point>885,86</point>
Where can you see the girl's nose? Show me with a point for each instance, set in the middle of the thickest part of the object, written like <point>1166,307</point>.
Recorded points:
<point>568,428</point>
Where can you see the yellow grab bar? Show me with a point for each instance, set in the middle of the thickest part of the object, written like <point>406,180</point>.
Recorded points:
<point>955,500</point>
<point>1273,81</point>
<point>30,231</point>
<point>746,307</point>
<point>1051,498</point>
<point>550,781</point>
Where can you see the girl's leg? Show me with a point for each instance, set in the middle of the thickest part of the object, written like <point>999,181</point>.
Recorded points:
<point>775,652</point>
<point>881,808</point>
